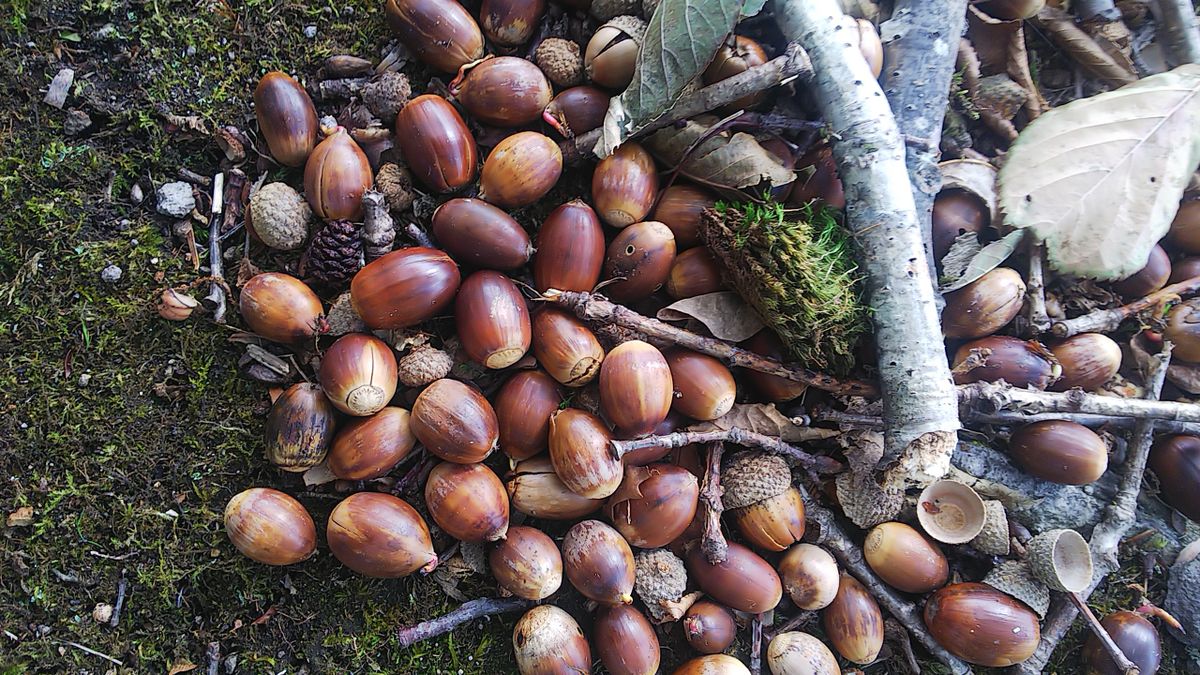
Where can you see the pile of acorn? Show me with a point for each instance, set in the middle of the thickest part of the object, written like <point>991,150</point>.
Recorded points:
<point>631,522</point>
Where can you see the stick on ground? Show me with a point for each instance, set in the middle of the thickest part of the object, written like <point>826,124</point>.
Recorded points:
<point>1105,320</point>
<point>712,542</point>
<point>468,611</point>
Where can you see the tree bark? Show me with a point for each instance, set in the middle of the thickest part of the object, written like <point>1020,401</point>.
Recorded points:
<point>1179,33</point>
<point>918,395</point>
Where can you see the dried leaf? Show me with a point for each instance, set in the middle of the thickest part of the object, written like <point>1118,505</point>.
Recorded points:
<point>183,666</point>
<point>1081,48</point>
<point>764,418</point>
<point>22,517</point>
<point>724,313</point>
<point>318,475</point>
<point>987,259</point>
<point>975,176</point>
<point>1100,179</point>
<point>991,38</point>
<point>732,161</point>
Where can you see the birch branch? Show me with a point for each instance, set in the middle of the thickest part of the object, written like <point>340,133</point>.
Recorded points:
<point>1179,33</point>
<point>992,397</point>
<point>1105,320</point>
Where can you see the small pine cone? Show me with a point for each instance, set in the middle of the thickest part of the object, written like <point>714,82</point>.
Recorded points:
<point>561,61</point>
<point>608,9</point>
<point>395,182</point>
<point>387,95</point>
<point>423,365</point>
<point>335,254</point>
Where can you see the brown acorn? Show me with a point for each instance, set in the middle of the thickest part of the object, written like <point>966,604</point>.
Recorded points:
<point>796,653</point>
<point>1059,451</point>
<point>704,387</point>
<point>679,208</point>
<point>577,110</point>
<point>635,387</point>
<point>299,428</point>
<point>435,141</point>
<point>771,387</point>
<point>1183,330</point>
<point>956,212</point>
<point>358,374</point>
<point>510,22</point>
<point>439,32</point>
<point>503,91</point>
<point>1148,279</point>
<point>905,559</point>
<point>625,641</point>
<point>467,501</point>
<point>547,640</point>
<point>713,664</point>
<point>526,563</point>
<point>810,576</point>
<point>336,175</point>
<point>1176,462</point>
<point>611,53</point>
<point>280,308</point>
<point>818,179</point>
<point>1020,363</point>
<point>1088,360</point>
<point>639,261</point>
<point>565,347</point>
<point>520,170</point>
<point>654,504</point>
<point>1185,228</point>
<point>404,287</point>
<point>369,447</point>
<point>734,57</point>
<point>454,422</point>
<point>981,625</point>
<point>270,527</point>
<point>853,622</point>
<point>286,118</point>
<point>1135,636</point>
<point>536,490</point>
<point>744,581</point>
<point>570,249</point>
<point>694,272</point>
<point>378,535</point>
<point>478,234</point>
<point>768,511</point>
<point>624,185</point>
<point>581,454</point>
<point>708,627</point>
<point>523,408</point>
<point>1184,269</point>
<point>599,563</point>
<point>983,306</point>
<point>493,321</point>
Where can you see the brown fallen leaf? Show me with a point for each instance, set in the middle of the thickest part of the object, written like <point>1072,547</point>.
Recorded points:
<point>22,517</point>
<point>724,313</point>
<point>723,160</point>
<point>765,419</point>
<point>182,666</point>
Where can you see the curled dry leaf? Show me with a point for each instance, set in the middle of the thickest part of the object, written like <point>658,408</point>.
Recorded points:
<point>726,160</point>
<point>981,261</point>
<point>1184,375</point>
<point>765,419</point>
<point>1081,48</point>
<point>991,38</point>
<point>724,313</point>
<point>975,176</point>
<point>1100,179</point>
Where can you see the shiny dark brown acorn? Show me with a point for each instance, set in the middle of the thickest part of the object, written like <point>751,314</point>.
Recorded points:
<point>358,374</point>
<point>520,170</point>
<point>527,563</point>
<point>1183,330</point>
<point>299,428</point>
<point>956,212</point>
<point>744,581</point>
<point>369,447</point>
<point>905,559</point>
<point>1137,638</point>
<point>577,110</point>
<point>771,387</point>
<point>547,640</point>
<point>336,175</point>
<point>639,261</point>
<point>694,272</point>
<point>1015,361</point>
<point>270,527</point>
<point>981,625</point>
<point>1185,228</point>
<point>983,306</point>
<point>439,32</point>
<point>580,452</point>
<point>1011,10</point>
<point>599,563</point>
<point>704,387</point>
<point>565,347</point>
<point>709,627</point>
<point>1059,451</point>
<point>379,535</point>
<point>1088,360</point>
<point>635,387</point>
<point>286,118</point>
<point>853,622</point>
<point>654,504</point>
<point>624,185</point>
<point>536,490</point>
<point>280,308</point>
<point>478,234</point>
<point>454,422</point>
<point>510,23</point>
<point>437,145</point>
<point>625,641</point>
<point>1176,462</point>
<point>1150,278</point>
<point>492,319</point>
<point>504,91</point>
<point>1184,269</point>
<point>570,249</point>
<point>468,501</point>
<point>679,208</point>
<point>404,287</point>
<point>736,56</point>
<point>523,408</point>
<point>713,664</point>
<point>818,179</point>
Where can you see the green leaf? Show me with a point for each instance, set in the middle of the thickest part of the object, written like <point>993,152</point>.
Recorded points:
<point>983,261</point>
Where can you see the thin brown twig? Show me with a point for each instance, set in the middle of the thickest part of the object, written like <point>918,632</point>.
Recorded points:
<point>1114,652</point>
<point>735,435</point>
<point>1035,289</point>
<point>712,542</point>
<point>1010,418</point>
<point>1105,320</point>
<point>993,396</point>
<point>756,638</point>
<point>216,295</point>
<point>408,636</point>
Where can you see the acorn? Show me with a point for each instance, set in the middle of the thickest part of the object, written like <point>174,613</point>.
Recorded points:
<point>378,535</point>
<point>625,641</point>
<point>176,305</point>
<point>1059,451</point>
<point>369,447</point>
<point>708,627</point>
<point>956,212</point>
<point>478,234</point>
<point>736,56</point>
<point>287,118</point>
<point>713,664</point>
<point>768,511</point>
<point>336,175</point>
<point>635,387</point>
<point>358,374</point>
<point>547,640</point>
<point>611,54</point>
<point>599,563</point>
<point>1015,578</point>
<point>704,387</point>
<point>561,60</point>
<point>1088,360</point>
<point>1135,636</point>
<point>983,306</point>
<point>570,249</point>
<point>638,261</point>
<point>565,347</point>
<point>694,272</point>
<point>905,559</point>
<point>270,527</point>
<point>661,581</point>
<point>1184,269</point>
<point>526,563</point>
<point>404,287</point>
<point>624,185</point>
<point>454,422</point>
<point>810,576</point>
<point>673,422</point>
<point>1176,462</point>
<point>1020,363</point>
<point>523,407</point>
<point>679,208</point>
<point>577,110</point>
<point>467,501</point>
<point>1012,10</point>
<point>581,454</point>
<point>536,490</point>
<point>817,178</point>
<point>299,428</point>
<point>492,319</point>
<point>435,141</point>
<point>853,622</point>
<point>771,387</point>
<point>796,653</point>
<point>439,32</point>
<point>503,91</point>
<point>654,504</point>
<point>280,308</point>
<point>1148,279</point>
<point>744,581</point>
<point>520,170</point>
<point>981,625</point>
<point>1185,228</point>
<point>870,45</point>
<point>510,23</point>
<point>1183,330</point>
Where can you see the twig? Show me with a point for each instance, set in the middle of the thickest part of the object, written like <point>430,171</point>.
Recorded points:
<point>735,435</point>
<point>594,308</point>
<point>1108,533</point>
<point>892,629</point>
<point>801,621</point>
<point>212,657</point>
<point>712,542</point>
<point>1179,33</point>
<point>122,589</point>
<point>345,87</point>
<point>1010,418</point>
<point>194,178</point>
<point>418,235</point>
<point>216,295</point>
<point>756,635</point>
<point>91,651</point>
<point>991,397</point>
<point>379,230</point>
<point>1105,320</point>
<point>1035,289</point>
<point>1080,46</point>
<point>408,636</point>
<point>235,183</point>
<point>1118,657</point>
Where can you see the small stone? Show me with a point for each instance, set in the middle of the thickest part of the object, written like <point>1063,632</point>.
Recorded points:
<point>310,32</point>
<point>102,612</point>
<point>111,274</point>
<point>84,379</point>
<point>76,122</point>
<point>175,199</point>
<point>135,194</point>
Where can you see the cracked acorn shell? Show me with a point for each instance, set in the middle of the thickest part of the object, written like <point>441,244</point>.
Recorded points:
<point>708,627</point>
<point>369,447</point>
<point>983,306</point>
<point>1088,360</point>
<point>810,576</point>
<point>1015,578</point>
<point>565,347</point>
<point>1061,559</point>
<point>570,249</point>
<point>734,59</point>
<point>853,622</point>
<point>468,501</point>
<point>744,582</point>
<point>981,625</point>
<point>454,422</point>
<point>625,641</point>
<point>299,428</point>
<point>535,490</point>
<point>611,53</point>
<point>713,664</point>
<point>905,559</point>
<point>548,640</point>
<point>526,563</point>
<point>378,535</point>
<point>439,32</point>
<point>993,539</point>
<point>358,374</point>
<point>624,185</point>
<point>660,580</point>
<point>582,457</point>
<point>636,389</point>
<point>654,504</point>
<point>492,320</point>
<point>270,527</point>
<point>797,653</point>
<point>599,563</point>
<point>280,308</point>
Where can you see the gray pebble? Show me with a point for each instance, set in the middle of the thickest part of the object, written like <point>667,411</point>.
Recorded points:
<point>175,199</point>
<point>111,274</point>
<point>310,32</point>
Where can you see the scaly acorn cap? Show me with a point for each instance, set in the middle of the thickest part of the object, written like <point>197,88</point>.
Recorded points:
<point>561,60</point>
<point>422,365</point>
<point>660,580</point>
<point>993,539</point>
<point>630,25</point>
<point>280,216</point>
<point>865,502</point>
<point>751,477</point>
<point>1061,559</point>
<point>608,9</point>
<point>1015,578</point>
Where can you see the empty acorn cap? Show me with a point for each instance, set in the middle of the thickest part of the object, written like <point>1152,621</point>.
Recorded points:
<point>751,477</point>
<point>865,502</point>
<point>1013,577</point>
<point>950,512</point>
<point>1061,559</point>
<point>993,539</point>
<point>660,582</point>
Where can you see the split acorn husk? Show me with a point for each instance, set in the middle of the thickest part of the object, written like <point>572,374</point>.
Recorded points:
<point>599,563</point>
<point>270,527</point>
<point>368,447</point>
<point>455,422</point>
<point>523,408</point>
<point>570,249</point>
<point>611,54</point>
<point>299,428</point>
<point>536,490</point>
<point>625,641</point>
<point>636,389</point>
<point>468,501</point>
<point>526,563</point>
<point>287,118</point>
<point>492,319</point>
<point>981,625</point>
<point>854,622</point>
<point>654,504</point>
<point>582,457</point>
<point>708,627</point>
<point>548,640</point>
<point>478,234</point>
<point>736,56</point>
<point>280,308</point>
<point>378,535</point>
<point>404,287</point>
<point>358,374</point>
<point>566,348</point>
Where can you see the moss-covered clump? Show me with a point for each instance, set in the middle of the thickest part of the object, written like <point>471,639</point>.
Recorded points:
<point>796,269</point>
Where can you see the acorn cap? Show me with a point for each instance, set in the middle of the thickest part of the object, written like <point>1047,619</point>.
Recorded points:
<point>395,183</point>
<point>950,512</point>
<point>630,25</point>
<point>387,95</point>
<point>342,318</point>
<point>423,365</point>
<point>561,60</point>
<point>993,539</point>
<point>1014,578</point>
<point>1061,559</point>
<point>280,216</point>
<point>865,502</point>
<point>608,9</point>
<point>751,477</point>
<point>660,582</point>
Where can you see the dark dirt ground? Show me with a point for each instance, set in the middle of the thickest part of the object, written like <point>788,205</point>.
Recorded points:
<point>123,480</point>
